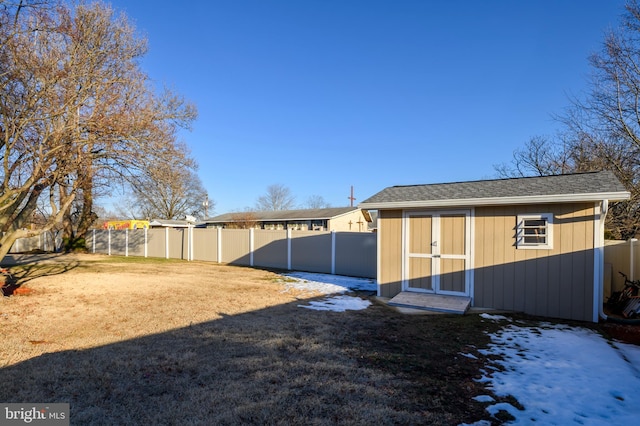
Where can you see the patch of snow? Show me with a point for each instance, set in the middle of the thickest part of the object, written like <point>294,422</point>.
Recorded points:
<point>564,375</point>
<point>495,317</point>
<point>472,356</point>
<point>331,285</point>
<point>484,398</point>
<point>338,304</point>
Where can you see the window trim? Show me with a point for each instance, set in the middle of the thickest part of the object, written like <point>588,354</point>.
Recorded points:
<point>520,244</point>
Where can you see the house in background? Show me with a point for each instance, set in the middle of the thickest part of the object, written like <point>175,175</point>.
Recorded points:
<point>346,219</point>
<point>533,245</point>
<point>171,223</point>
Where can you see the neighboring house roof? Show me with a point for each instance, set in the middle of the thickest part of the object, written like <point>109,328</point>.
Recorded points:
<point>577,187</point>
<point>170,223</point>
<point>285,215</point>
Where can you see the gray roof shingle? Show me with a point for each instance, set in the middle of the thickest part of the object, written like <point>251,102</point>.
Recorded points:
<point>579,185</point>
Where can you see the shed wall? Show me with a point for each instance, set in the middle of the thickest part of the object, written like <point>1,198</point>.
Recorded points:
<point>390,255</point>
<point>554,283</point>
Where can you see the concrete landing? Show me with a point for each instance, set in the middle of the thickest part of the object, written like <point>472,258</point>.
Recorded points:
<point>432,302</point>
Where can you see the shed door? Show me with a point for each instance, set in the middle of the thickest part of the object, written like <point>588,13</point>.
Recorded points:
<point>437,252</point>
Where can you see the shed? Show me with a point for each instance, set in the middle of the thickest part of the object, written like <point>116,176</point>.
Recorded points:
<point>533,245</point>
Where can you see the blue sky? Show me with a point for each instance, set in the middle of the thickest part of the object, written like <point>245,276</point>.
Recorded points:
<point>321,95</point>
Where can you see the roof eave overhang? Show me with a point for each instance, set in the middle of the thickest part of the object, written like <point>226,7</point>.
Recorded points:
<point>496,201</point>
<point>288,219</point>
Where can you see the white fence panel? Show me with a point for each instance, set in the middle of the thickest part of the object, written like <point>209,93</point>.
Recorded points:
<point>348,253</point>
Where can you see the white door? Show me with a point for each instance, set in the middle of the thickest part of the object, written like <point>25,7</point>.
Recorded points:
<point>437,252</point>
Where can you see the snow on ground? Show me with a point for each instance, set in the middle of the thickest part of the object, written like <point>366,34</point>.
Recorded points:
<point>563,375</point>
<point>333,286</point>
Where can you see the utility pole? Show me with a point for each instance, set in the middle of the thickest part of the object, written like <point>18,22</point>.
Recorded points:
<point>351,197</point>
<point>205,204</point>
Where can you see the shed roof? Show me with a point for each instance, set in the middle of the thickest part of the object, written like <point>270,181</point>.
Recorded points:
<point>593,186</point>
<point>284,215</point>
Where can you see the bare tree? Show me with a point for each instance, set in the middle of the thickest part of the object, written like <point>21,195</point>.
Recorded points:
<point>243,220</point>
<point>278,197</point>
<point>76,111</point>
<point>316,202</point>
<point>601,130</point>
<point>540,157</point>
<point>169,191</point>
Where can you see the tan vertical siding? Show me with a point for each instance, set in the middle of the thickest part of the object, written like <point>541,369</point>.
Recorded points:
<point>421,238</point>
<point>556,282</point>
<point>390,229</point>
<point>452,275</point>
<point>453,232</point>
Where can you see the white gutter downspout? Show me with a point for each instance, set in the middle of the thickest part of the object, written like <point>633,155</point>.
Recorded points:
<point>604,207</point>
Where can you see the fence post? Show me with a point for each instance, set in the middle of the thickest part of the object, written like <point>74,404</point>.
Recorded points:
<point>251,246</point>
<point>166,242</point>
<point>289,249</point>
<point>219,243</point>
<point>126,243</point>
<point>333,252</point>
<point>109,243</point>
<point>93,243</point>
<point>146,248</point>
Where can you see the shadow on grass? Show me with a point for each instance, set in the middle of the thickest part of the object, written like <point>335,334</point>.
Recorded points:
<point>281,365</point>
<point>26,267</point>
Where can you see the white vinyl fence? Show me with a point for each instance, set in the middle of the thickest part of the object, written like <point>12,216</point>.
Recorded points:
<point>621,256</point>
<point>339,253</point>
<point>46,241</point>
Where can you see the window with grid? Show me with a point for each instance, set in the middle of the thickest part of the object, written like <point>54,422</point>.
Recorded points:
<point>534,231</point>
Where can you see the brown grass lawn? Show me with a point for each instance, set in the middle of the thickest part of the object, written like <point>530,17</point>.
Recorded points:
<point>152,341</point>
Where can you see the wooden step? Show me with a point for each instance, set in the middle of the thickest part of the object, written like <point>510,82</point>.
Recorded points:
<point>432,302</point>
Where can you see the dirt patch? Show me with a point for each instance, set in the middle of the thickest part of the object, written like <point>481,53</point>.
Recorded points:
<point>627,333</point>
